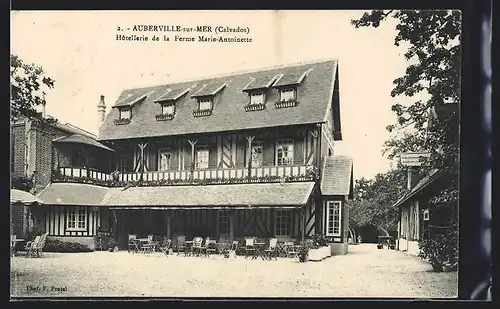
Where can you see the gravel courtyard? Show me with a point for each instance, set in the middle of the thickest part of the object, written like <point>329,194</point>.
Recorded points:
<point>363,272</point>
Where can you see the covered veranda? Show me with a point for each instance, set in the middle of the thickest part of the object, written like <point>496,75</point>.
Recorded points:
<point>230,212</point>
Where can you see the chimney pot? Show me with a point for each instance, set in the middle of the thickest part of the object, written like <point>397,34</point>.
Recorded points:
<point>101,110</point>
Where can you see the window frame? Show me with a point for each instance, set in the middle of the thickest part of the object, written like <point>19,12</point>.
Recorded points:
<point>262,95</point>
<point>280,143</point>
<point>170,155</point>
<point>205,100</point>
<point>330,205</point>
<point>257,144</point>
<point>123,110</point>
<point>285,215</point>
<point>286,90</point>
<point>166,106</point>
<point>197,150</point>
<point>76,212</point>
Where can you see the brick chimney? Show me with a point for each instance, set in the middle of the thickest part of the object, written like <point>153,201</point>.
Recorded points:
<point>101,111</point>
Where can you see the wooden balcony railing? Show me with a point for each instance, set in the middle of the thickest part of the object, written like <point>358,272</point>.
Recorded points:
<point>226,175</point>
<point>188,177</point>
<point>81,175</point>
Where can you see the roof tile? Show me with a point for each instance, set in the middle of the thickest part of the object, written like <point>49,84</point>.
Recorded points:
<point>229,108</point>
<point>337,176</point>
<point>81,139</point>
<point>263,194</point>
<point>72,194</point>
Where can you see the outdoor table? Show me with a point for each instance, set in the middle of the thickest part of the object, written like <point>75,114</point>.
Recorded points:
<point>259,250</point>
<point>14,243</point>
<point>382,240</point>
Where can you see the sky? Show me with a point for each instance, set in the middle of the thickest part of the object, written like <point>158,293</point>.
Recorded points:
<point>79,50</point>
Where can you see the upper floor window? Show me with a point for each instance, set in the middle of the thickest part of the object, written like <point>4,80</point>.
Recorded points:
<point>257,98</point>
<point>125,113</point>
<point>202,157</point>
<point>333,218</point>
<point>205,104</point>
<point>257,154</point>
<point>164,160</point>
<point>287,94</point>
<point>167,109</point>
<point>284,152</point>
<point>283,223</point>
<point>76,218</point>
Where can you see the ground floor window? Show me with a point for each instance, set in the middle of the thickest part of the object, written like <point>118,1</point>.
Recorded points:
<point>283,222</point>
<point>333,218</point>
<point>76,218</point>
<point>223,222</point>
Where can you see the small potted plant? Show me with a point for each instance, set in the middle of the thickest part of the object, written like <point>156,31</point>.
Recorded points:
<point>303,254</point>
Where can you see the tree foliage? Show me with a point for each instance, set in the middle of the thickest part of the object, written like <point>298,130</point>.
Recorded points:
<point>373,200</point>
<point>28,84</point>
<point>433,72</point>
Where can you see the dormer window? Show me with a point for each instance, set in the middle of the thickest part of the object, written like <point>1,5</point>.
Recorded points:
<point>125,113</point>
<point>168,102</point>
<point>288,94</point>
<point>205,104</point>
<point>125,105</point>
<point>167,109</point>
<point>287,85</point>
<point>257,98</point>
<point>205,97</point>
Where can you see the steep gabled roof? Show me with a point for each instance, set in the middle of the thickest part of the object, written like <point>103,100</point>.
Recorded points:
<point>314,94</point>
<point>421,185</point>
<point>337,176</point>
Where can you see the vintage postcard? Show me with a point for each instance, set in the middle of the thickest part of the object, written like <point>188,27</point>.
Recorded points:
<point>231,154</point>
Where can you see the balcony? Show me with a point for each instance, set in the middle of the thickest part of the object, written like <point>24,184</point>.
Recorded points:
<point>264,174</point>
<point>81,175</point>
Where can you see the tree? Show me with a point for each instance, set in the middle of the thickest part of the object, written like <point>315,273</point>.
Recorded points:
<point>433,69</point>
<point>28,84</point>
<point>373,200</point>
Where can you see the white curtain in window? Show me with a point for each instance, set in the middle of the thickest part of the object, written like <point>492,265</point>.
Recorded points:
<point>205,104</point>
<point>125,113</point>
<point>287,94</point>
<point>202,158</point>
<point>284,152</point>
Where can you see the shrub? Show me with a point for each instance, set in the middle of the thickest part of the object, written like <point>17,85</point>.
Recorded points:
<point>440,248</point>
<point>64,247</point>
<point>320,241</point>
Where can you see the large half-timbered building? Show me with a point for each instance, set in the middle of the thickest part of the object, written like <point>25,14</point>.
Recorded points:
<point>248,154</point>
